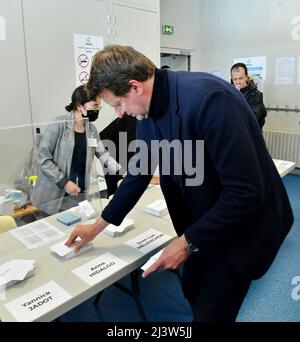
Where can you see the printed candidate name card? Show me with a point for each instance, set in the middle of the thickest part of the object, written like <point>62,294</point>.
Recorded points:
<point>148,240</point>
<point>99,268</point>
<point>38,302</point>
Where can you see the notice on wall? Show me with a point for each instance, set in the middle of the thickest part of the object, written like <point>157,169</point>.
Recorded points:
<point>2,28</point>
<point>85,47</point>
<point>100,268</point>
<point>148,240</point>
<point>38,302</point>
<point>298,70</point>
<point>256,69</point>
<point>285,71</point>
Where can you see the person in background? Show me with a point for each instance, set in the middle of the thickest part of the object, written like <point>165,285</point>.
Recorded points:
<point>65,155</point>
<point>231,221</point>
<point>243,83</point>
<point>125,125</point>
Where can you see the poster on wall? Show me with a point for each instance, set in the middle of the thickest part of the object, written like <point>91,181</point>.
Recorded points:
<point>85,47</point>
<point>298,71</point>
<point>256,69</point>
<point>285,70</point>
<point>2,29</point>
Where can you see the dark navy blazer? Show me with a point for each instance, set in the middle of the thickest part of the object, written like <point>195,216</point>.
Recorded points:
<point>241,208</point>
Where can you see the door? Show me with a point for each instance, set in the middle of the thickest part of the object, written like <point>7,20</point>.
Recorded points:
<point>49,30</point>
<point>137,28</point>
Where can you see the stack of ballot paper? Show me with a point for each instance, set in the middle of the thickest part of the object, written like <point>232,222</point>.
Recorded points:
<point>113,230</point>
<point>151,260</point>
<point>157,208</point>
<point>65,252</point>
<point>14,271</point>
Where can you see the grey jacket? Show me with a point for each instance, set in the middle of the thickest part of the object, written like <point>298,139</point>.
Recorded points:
<point>54,159</point>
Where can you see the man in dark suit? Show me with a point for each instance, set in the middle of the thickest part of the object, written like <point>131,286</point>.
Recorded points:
<point>232,212</point>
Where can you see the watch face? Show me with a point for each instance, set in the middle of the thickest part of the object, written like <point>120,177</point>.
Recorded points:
<point>192,248</point>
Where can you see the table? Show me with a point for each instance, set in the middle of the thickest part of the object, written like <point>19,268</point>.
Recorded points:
<point>48,267</point>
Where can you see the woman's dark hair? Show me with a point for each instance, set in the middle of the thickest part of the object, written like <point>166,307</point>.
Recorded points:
<point>236,66</point>
<point>80,96</point>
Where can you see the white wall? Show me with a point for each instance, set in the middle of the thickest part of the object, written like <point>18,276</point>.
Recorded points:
<point>37,66</point>
<point>233,28</point>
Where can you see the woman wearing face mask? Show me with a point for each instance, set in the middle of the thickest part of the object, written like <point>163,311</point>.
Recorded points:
<point>65,156</point>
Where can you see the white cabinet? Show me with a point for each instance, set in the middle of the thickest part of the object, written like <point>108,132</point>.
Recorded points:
<point>14,95</point>
<point>183,15</point>
<point>38,63</point>
<point>49,30</point>
<point>138,28</point>
<point>151,5</point>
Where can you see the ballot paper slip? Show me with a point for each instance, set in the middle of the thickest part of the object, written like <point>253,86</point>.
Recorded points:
<point>68,219</point>
<point>283,166</point>
<point>38,302</point>
<point>15,270</point>
<point>84,209</point>
<point>65,252</point>
<point>152,260</point>
<point>37,234</point>
<point>113,230</point>
<point>157,208</point>
<point>148,241</point>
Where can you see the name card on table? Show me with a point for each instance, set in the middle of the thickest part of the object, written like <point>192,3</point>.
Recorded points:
<point>148,240</point>
<point>37,302</point>
<point>100,268</point>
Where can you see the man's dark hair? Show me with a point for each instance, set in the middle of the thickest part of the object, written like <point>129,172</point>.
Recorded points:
<point>116,65</point>
<point>236,66</point>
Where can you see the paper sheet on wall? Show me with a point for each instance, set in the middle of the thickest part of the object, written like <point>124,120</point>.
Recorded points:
<point>298,70</point>
<point>37,234</point>
<point>2,28</point>
<point>285,71</point>
<point>85,47</point>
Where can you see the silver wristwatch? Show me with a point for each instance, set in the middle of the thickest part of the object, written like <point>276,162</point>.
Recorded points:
<point>191,248</point>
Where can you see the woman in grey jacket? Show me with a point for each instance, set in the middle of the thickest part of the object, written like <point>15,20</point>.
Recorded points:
<point>66,153</point>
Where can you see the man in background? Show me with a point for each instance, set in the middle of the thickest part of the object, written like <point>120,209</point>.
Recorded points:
<point>242,82</point>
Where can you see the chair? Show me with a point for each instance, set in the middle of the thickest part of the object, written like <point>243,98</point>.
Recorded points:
<point>6,223</point>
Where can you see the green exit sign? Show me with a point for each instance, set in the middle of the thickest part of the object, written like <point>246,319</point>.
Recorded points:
<point>167,29</point>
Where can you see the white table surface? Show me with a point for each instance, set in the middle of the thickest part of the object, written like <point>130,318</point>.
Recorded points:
<point>48,267</point>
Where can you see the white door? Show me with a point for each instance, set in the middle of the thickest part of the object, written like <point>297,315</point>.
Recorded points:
<point>49,30</point>
<point>137,28</point>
